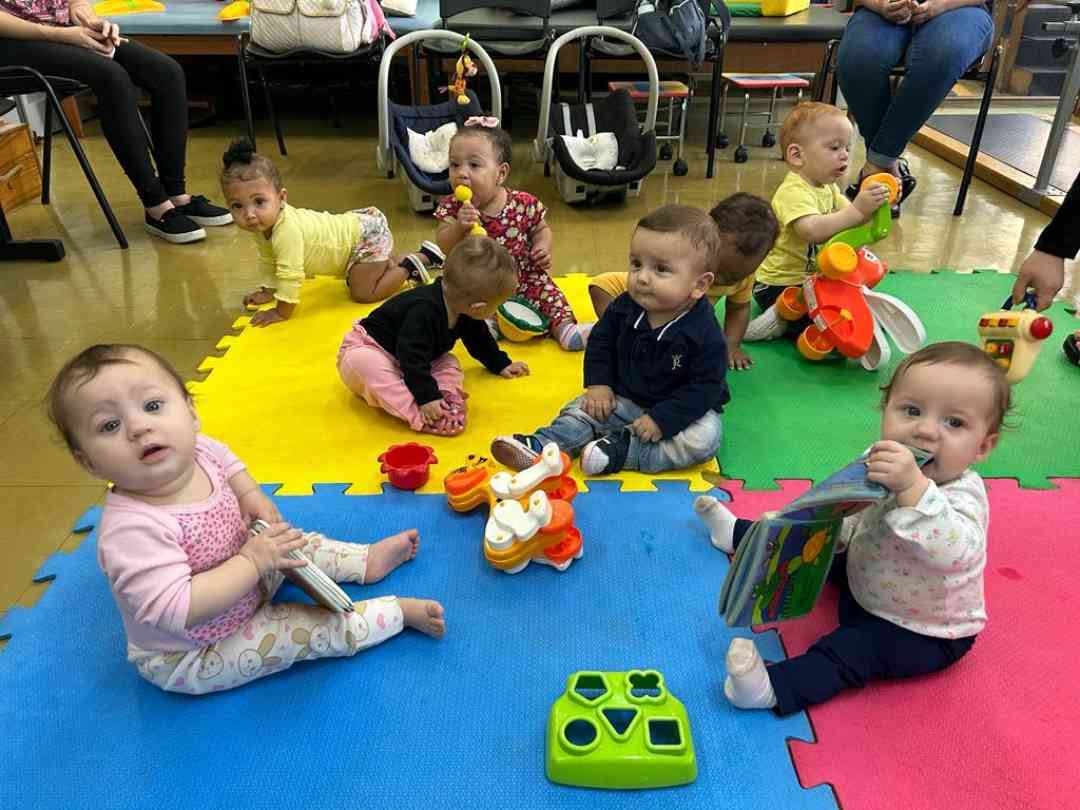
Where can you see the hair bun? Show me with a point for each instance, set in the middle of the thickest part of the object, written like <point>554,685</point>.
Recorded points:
<point>240,150</point>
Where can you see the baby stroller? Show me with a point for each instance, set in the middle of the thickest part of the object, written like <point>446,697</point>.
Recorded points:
<point>614,155</point>
<point>395,121</point>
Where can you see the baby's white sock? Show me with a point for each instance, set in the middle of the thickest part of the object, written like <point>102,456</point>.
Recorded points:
<point>747,684</point>
<point>719,520</point>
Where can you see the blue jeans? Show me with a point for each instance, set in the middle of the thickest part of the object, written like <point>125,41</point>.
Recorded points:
<point>573,429</point>
<point>937,54</point>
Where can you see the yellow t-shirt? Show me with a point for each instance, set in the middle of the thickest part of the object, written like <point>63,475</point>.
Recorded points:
<point>614,284</point>
<point>305,242</point>
<point>787,262</point>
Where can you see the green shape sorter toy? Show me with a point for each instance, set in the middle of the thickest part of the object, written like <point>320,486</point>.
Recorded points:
<point>619,730</point>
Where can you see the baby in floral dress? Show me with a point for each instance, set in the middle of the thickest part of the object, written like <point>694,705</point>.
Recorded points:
<point>480,155</point>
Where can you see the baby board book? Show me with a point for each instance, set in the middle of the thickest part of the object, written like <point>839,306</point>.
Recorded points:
<point>784,558</point>
<point>311,580</point>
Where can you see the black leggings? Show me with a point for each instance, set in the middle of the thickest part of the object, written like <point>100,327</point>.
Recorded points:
<point>113,82</point>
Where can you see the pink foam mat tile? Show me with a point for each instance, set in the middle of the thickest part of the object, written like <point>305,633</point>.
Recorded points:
<point>998,730</point>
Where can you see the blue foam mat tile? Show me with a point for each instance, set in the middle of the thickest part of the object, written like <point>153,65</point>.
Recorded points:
<point>414,722</point>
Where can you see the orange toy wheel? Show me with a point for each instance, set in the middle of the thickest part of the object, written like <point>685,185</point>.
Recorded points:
<point>887,180</point>
<point>813,344</point>
<point>791,305</point>
<point>837,260</point>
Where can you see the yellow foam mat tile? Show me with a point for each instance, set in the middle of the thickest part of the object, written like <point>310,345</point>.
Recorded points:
<point>276,399</point>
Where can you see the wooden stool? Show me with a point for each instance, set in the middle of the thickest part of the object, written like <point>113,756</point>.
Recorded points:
<point>774,82</point>
<point>678,96</point>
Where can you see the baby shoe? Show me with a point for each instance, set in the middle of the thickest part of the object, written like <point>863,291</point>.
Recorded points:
<point>607,454</point>
<point>516,451</point>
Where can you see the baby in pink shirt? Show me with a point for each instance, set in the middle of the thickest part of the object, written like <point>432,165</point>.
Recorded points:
<point>192,585</point>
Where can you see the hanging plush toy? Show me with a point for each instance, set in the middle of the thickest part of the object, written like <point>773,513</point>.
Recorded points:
<point>463,70</point>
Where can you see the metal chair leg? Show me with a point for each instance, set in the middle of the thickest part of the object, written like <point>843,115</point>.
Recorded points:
<point>976,138</point>
<point>245,93</point>
<point>270,109</point>
<point>46,151</point>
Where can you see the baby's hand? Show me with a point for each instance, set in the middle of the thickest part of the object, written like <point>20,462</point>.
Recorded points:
<point>433,411</point>
<point>646,429</point>
<point>515,369</point>
<point>541,258</point>
<point>265,317</point>
<point>268,550</point>
<point>255,505</point>
<point>870,198</point>
<point>739,360</point>
<point>599,402</point>
<point>263,295</point>
<point>893,466</point>
<point>468,215</point>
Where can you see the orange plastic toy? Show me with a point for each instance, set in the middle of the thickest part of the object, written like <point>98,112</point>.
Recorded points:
<point>406,465</point>
<point>531,517</point>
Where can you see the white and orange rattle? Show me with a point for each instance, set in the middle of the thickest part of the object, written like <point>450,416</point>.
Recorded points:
<point>463,194</point>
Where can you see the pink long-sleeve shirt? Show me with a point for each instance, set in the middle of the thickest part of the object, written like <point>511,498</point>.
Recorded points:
<point>150,553</point>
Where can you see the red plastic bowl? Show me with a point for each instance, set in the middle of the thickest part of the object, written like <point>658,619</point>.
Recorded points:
<point>407,465</point>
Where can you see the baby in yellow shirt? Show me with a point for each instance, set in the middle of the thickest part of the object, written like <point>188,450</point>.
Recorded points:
<point>294,243</point>
<point>816,144</point>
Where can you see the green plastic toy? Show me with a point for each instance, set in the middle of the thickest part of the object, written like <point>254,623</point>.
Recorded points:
<point>619,730</point>
<point>880,222</point>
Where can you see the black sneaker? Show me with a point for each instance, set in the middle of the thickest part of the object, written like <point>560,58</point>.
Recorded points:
<point>907,185</point>
<point>1072,350</point>
<point>414,266</point>
<point>606,455</point>
<point>203,212</point>
<point>174,227</point>
<point>518,451</point>
<point>433,252</point>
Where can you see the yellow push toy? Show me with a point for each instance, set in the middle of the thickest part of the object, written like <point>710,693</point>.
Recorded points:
<point>1014,339</point>
<point>236,10</point>
<point>116,8</point>
<point>463,194</point>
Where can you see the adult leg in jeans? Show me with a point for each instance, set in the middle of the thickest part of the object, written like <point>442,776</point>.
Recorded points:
<point>939,53</point>
<point>116,94</point>
<point>872,46</point>
<point>163,78</point>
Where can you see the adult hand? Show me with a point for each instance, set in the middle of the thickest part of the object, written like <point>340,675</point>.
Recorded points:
<point>83,15</point>
<point>898,12</point>
<point>925,11</point>
<point>84,38</point>
<point>738,359</point>
<point>646,429</point>
<point>599,402</point>
<point>1043,272</point>
<point>515,369</point>
<point>268,550</point>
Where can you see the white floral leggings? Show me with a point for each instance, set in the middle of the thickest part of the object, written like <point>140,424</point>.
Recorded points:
<point>280,634</point>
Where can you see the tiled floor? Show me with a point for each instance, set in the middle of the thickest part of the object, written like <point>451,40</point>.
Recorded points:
<point>179,300</point>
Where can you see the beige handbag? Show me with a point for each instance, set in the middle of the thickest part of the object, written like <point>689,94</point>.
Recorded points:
<point>334,26</point>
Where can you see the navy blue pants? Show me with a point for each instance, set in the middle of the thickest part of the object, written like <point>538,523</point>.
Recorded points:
<point>863,648</point>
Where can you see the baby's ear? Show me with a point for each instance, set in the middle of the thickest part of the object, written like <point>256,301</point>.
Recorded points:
<point>701,285</point>
<point>476,308</point>
<point>987,445</point>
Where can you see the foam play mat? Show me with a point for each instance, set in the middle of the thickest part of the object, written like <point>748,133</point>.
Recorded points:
<point>997,731</point>
<point>415,722</point>
<point>276,398</point>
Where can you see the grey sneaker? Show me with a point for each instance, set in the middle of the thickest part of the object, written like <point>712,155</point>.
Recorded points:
<point>766,326</point>
<point>517,451</point>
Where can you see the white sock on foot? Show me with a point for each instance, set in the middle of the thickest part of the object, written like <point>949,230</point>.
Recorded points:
<point>747,685</point>
<point>719,520</point>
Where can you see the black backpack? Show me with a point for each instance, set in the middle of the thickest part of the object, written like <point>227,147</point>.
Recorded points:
<point>675,26</point>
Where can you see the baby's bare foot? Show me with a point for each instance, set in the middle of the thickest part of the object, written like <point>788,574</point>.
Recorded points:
<point>388,554</point>
<point>425,615</point>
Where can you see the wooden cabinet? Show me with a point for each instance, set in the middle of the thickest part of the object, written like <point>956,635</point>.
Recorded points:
<point>20,173</point>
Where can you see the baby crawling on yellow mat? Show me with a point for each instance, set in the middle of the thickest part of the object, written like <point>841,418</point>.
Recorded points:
<point>398,357</point>
<point>192,585</point>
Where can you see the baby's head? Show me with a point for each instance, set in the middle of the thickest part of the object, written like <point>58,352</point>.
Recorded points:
<point>480,158</point>
<point>673,259</point>
<point>251,186</point>
<point>478,275</point>
<point>949,399</point>
<point>748,228</point>
<point>815,141</point>
<point>127,417</point>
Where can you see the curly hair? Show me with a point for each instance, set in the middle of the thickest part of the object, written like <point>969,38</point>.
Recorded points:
<point>242,163</point>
